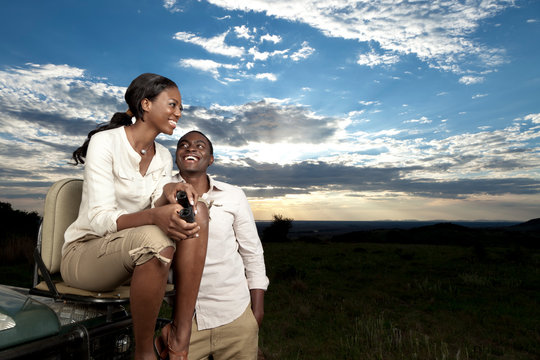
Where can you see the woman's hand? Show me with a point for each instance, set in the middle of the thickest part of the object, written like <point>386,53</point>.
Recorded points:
<point>167,218</point>
<point>170,190</point>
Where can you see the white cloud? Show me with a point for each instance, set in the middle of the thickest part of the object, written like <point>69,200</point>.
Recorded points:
<point>54,89</point>
<point>437,32</point>
<point>422,120</point>
<point>214,45</point>
<point>244,32</point>
<point>47,112</point>
<point>266,76</point>
<point>355,113</point>
<point>271,38</point>
<point>535,118</point>
<point>206,65</point>
<point>303,53</point>
<point>218,45</point>
<point>369,103</point>
<point>271,130</point>
<point>373,59</point>
<point>470,80</point>
<point>264,55</point>
<point>478,96</point>
<point>46,71</point>
<point>171,6</point>
<point>169,3</point>
<point>231,80</point>
<point>257,55</point>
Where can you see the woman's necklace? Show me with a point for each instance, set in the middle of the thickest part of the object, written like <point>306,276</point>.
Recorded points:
<point>142,151</point>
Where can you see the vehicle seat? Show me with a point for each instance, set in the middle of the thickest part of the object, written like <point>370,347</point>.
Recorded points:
<point>61,209</point>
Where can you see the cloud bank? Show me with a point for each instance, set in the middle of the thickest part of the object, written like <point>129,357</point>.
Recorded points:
<point>437,32</point>
<point>272,147</point>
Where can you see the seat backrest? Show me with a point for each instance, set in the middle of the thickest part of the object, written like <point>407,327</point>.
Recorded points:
<point>61,209</point>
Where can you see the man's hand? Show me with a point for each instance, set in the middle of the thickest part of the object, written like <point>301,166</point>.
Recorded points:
<point>167,218</point>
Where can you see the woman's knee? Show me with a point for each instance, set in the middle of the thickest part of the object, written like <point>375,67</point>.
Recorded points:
<point>168,252</point>
<point>149,241</point>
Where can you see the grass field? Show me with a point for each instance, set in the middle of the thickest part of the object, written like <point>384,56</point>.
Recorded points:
<point>370,301</point>
<point>391,301</point>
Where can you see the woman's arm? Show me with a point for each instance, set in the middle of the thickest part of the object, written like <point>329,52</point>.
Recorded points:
<point>165,217</point>
<point>99,184</point>
<point>168,195</point>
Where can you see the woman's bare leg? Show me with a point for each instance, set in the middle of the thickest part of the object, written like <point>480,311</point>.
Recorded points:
<point>188,266</point>
<point>146,296</point>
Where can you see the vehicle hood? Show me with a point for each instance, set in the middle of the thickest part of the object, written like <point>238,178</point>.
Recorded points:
<point>33,320</point>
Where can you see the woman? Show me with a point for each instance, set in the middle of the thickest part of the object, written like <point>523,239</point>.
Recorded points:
<point>128,227</point>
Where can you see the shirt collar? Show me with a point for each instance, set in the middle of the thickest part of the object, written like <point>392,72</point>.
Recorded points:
<point>214,184</point>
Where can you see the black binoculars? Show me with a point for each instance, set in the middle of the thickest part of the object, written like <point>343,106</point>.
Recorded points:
<point>187,212</point>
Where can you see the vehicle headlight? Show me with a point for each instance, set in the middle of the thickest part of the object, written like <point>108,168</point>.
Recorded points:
<point>6,322</point>
<point>123,344</point>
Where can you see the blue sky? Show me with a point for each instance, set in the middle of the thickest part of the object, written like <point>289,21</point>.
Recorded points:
<point>319,110</point>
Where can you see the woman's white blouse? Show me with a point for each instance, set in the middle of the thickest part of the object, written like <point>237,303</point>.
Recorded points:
<point>113,185</point>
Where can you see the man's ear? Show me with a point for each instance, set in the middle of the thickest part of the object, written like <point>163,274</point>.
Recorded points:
<point>211,160</point>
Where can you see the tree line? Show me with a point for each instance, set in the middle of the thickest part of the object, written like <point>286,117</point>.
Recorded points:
<point>18,234</point>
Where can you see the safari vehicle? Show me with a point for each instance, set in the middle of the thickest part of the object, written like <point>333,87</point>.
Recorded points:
<point>38,327</point>
<point>52,320</point>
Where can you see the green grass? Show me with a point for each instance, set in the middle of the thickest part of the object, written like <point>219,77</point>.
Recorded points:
<point>390,301</point>
<point>369,301</point>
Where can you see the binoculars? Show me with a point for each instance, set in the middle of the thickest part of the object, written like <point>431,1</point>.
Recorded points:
<point>187,212</point>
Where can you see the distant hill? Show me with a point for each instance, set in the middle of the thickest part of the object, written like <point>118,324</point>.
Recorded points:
<point>531,225</point>
<point>446,233</point>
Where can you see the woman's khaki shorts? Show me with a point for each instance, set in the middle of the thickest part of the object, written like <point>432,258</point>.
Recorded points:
<point>104,263</point>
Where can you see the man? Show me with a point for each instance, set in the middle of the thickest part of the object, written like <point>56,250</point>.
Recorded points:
<point>230,304</point>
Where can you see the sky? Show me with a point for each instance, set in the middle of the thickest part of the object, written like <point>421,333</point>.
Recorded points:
<point>318,109</point>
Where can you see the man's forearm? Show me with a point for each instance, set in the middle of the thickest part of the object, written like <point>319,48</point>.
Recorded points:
<point>257,304</point>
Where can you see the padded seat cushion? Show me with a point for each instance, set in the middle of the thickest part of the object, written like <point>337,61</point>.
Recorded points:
<point>61,209</point>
